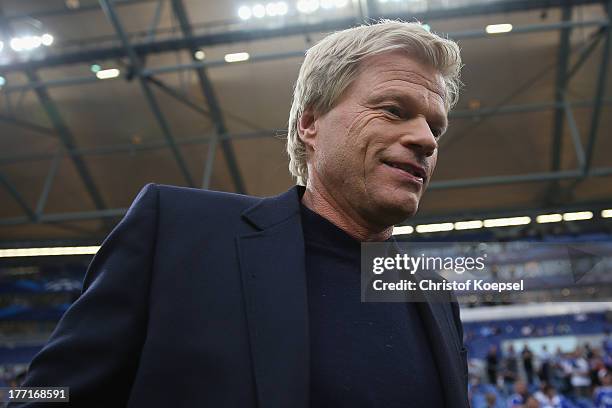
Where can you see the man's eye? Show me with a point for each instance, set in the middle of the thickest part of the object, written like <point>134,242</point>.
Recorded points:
<point>436,132</point>
<point>394,110</point>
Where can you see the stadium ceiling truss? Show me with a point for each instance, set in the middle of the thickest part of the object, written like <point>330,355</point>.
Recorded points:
<point>136,53</point>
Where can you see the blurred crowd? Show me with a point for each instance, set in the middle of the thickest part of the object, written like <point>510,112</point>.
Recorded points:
<point>526,378</point>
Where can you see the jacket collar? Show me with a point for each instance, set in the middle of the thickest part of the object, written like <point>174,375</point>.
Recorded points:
<point>271,211</point>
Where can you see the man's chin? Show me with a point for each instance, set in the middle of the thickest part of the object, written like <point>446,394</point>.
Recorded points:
<point>398,211</point>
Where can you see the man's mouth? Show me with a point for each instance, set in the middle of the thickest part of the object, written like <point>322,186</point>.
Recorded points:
<point>415,172</point>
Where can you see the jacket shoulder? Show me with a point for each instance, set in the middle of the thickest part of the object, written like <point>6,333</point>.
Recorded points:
<point>186,199</point>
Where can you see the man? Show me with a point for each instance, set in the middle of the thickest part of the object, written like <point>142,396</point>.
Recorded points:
<point>211,299</point>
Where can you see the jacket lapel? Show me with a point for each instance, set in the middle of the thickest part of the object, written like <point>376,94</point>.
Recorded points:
<point>274,283</point>
<point>446,349</point>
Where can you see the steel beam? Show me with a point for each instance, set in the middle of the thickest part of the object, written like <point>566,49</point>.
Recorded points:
<point>211,98</point>
<point>42,201</point>
<point>584,56</point>
<point>162,144</point>
<point>12,190</point>
<point>155,22</point>
<point>599,93</point>
<point>130,148</point>
<point>67,140</point>
<point>55,12</point>
<point>575,134</point>
<point>452,184</point>
<point>178,96</point>
<point>137,67</point>
<point>68,217</point>
<point>500,180</point>
<point>28,125</point>
<point>193,105</point>
<point>560,87</point>
<point>99,53</point>
<point>466,35</point>
<point>61,129</point>
<point>263,57</point>
<point>210,161</point>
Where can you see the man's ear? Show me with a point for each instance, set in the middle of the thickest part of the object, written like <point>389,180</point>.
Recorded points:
<point>308,127</point>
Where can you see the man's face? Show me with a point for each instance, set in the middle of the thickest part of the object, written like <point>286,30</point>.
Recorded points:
<point>376,150</point>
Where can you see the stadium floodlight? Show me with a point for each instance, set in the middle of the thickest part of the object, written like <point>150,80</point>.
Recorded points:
<point>259,11</point>
<point>546,218</point>
<point>46,39</point>
<point>26,43</point>
<point>281,8</point>
<point>577,216</point>
<point>271,9</point>
<point>52,251</point>
<point>467,225</point>
<point>244,12</point>
<point>498,28</point>
<point>276,9</point>
<point>15,44</point>
<point>425,228</point>
<point>108,73</point>
<point>32,41</point>
<point>199,55</point>
<point>606,213</point>
<point>237,57</point>
<point>403,230</point>
<point>506,222</point>
<point>307,6</point>
<point>2,81</point>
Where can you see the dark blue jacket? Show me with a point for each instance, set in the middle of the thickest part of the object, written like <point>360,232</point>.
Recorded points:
<point>198,299</point>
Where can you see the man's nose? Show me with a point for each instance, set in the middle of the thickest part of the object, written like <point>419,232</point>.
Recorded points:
<point>419,137</point>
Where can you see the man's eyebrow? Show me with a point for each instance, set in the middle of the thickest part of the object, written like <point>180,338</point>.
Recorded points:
<point>399,95</point>
<point>405,98</point>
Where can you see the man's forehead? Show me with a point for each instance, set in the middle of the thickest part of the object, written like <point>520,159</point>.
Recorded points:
<point>403,67</point>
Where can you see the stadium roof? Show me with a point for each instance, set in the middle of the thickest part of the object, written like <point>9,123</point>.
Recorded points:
<point>531,132</point>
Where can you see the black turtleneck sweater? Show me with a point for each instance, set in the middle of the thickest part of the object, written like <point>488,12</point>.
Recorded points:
<point>362,354</point>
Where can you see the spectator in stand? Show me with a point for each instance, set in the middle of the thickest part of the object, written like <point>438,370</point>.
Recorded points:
<point>607,360</point>
<point>532,402</point>
<point>548,398</point>
<point>528,363</point>
<point>492,365</point>
<point>581,378</point>
<point>510,369</point>
<point>602,397</point>
<point>520,396</point>
<point>607,343</point>
<point>478,393</point>
<point>545,365</point>
<point>597,366</point>
<point>588,351</point>
<point>565,367</point>
<point>493,401</point>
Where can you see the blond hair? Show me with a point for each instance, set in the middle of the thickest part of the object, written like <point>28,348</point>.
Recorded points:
<point>332,64</point>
